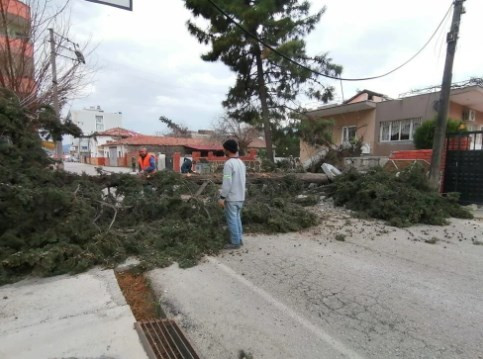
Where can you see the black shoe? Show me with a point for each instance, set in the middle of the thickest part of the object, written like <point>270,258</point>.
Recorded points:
<point>231,246</point>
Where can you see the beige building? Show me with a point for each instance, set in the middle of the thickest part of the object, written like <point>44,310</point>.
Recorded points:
<point>385,125</point>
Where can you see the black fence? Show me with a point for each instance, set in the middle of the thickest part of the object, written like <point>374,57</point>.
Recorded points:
<point>464,166</point>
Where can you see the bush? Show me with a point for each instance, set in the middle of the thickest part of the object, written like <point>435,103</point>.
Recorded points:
<point>424,135</point>
<point>401,200</point>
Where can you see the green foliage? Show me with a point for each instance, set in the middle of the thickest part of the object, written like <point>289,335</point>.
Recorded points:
<point>402,200</point>
<point>53,222</point>
<point>273,208</point>
<point>264,79</point>
<point>177,130</point>
<point>287,140</point>
<point>424,135</point>
<point>64,225</point>
<point>317,132</point>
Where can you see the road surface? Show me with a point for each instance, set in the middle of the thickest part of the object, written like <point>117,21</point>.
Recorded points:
<point>79,168</point>
<point>381,293</point>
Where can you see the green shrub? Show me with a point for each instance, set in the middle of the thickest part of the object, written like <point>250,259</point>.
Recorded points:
<point>424,135</point>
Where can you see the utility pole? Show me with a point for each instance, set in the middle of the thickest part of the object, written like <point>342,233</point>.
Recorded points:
<point>342,91</point>
<point>442,119</point>
<point>55,92</point>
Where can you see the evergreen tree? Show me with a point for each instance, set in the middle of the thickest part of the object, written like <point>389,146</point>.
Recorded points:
<point>268,87</point>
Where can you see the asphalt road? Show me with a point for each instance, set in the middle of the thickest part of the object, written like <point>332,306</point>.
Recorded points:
<point>79,168</point>
<point>381,293</point>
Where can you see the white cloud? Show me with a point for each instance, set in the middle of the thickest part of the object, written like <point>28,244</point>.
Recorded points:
<point>150,65</point>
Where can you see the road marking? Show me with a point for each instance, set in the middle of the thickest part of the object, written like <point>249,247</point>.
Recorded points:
<point>317,331</point>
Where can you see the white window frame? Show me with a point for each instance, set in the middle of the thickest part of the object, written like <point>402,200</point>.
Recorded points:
<point>343,140</point>
<point>399,123</point>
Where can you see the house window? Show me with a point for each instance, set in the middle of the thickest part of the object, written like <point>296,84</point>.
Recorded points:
<point>348,134</point>
<point>100,123</point>
<point>385,129</point>
<point>400,130</point>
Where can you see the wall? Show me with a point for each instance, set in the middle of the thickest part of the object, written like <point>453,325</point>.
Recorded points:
<point>126,152</point>
<point>307,151</point>
<point>409,107</point>
<point>86,120</point>
<point>212,163</point>
<point>363,120</point>
<point>412,107</point>
<point>167,150</point>
<point>361,97</point>
<point>456,113</point>
<point>364,163</point>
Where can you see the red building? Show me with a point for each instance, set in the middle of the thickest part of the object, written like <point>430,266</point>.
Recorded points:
<point>16,48</point>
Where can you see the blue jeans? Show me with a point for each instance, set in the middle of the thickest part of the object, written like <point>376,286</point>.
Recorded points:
<point>233,219</point>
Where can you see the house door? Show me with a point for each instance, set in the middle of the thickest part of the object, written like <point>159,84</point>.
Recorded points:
<point>464,166</point>
<point>113,156</point>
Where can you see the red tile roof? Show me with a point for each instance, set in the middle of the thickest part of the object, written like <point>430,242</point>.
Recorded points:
<point>118,132</point>
<point>257,143</point>
<point>142,140</point>
<point>206,147</point>
<point>199,144</point>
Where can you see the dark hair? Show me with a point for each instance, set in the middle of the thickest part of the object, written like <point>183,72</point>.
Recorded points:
<point>231,146</point>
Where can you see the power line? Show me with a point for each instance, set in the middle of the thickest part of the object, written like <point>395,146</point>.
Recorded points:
<point>241,27</point>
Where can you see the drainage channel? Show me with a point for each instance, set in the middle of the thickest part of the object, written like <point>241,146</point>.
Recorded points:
<point>161,337</point>
<point>165,339</point>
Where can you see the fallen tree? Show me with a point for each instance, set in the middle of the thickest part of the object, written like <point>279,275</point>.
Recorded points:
<point>401,199</point>
<point>53,222</point>
<point>260,178</point>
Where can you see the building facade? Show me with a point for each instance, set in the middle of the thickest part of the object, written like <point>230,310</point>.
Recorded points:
<point>385,125</point>
<point>16,48</point>
<point>92,120</point>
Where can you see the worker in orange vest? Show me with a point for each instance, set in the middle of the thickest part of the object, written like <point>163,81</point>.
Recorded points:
<point>146,162</point>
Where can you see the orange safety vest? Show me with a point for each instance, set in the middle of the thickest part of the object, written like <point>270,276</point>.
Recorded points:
<point>144,162</point>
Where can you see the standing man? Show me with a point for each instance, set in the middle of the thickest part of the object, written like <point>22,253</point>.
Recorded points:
<point>233,193</point>
<point>146,162</point>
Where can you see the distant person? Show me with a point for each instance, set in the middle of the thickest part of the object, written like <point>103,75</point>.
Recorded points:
<point>146,162</point>
<point>133,163</point>
<point>186,166</point>
<point>232,194</point>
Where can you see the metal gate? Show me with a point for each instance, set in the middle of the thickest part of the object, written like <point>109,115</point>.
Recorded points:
<point>464,166</point>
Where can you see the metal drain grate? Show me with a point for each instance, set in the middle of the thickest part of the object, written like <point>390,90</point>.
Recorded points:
<point>163,339</point>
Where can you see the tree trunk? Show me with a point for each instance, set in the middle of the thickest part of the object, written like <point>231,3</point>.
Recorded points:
<point>263,100</point>
<point>318,178</point>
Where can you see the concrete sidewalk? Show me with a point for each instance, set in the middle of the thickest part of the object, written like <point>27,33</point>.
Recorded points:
<point>82,316</point>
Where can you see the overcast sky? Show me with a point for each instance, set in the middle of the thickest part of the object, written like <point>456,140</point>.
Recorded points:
<point>151,66</point>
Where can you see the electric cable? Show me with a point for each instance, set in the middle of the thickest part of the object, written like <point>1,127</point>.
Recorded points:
<point>264,43</point>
